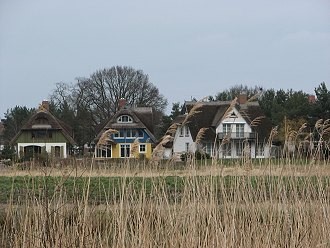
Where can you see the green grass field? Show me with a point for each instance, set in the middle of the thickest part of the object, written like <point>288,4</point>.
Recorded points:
<point>109,189</point>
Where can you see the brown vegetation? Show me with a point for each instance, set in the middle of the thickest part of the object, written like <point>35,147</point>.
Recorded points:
<point>204,213</point>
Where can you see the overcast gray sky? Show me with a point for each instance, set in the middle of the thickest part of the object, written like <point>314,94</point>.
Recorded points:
<point>188,48</point>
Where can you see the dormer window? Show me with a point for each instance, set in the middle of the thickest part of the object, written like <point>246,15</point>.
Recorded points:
<point>124,119</point>
<point>41,123</point>
<point>41,120</point>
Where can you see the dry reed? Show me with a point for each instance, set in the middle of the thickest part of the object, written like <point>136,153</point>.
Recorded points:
<point>208,211</point>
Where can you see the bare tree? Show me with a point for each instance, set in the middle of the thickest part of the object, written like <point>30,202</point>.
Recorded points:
<point>62,95</point>
<point>91,101</point>
<point>101,92</point>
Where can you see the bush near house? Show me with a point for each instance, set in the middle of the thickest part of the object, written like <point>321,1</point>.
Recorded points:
<point>198,156</point>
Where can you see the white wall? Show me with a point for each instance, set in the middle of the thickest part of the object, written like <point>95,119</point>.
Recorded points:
<point>179,142</point>
<point>238,120</point>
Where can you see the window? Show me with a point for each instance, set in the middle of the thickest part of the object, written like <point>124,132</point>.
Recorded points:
<point>187,131</point>
<point>130,133</point>
<point>239,149</point>
<point>187,147</point>
<point>208,148</point>
<point>226,150</point>
<point>260,150</point>
<point>104,152</point>
<point>239,130</point>
<point>120,134</point>
<point>143,148</point>
<point>109,151</point>
<point>226,128</point>
<point>124,119</point>
<point>41,134</point>
<point>181,131</point>
<point>57,152</point>
<point>140,133</point>
<point>125,150</point>
<point>41,120</point>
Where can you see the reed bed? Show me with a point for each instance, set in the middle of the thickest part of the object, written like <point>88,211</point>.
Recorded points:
<point>191,210</point>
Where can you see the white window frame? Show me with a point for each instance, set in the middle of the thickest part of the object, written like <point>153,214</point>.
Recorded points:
<point>187,146</point>
<point>240,130</point>
<point>226,128</point>
<point>239,149</point>
<point>105,150</point>
<point>260,150</point>
<point>209,148</point>
<point>130,133</point>
<point>186,131</point>
<point>125,146</point>
<point>143,150</point>
<point>227,150</point>
<point>120,134</point>
<point>122,119</point>
<point>181,131</point>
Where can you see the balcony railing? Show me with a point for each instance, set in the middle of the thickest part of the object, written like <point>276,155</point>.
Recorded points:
<point>239,135</point>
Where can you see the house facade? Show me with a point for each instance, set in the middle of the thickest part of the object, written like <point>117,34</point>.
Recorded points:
<point>221,129</point>
<point>127,134</point>
<point>44,133</point>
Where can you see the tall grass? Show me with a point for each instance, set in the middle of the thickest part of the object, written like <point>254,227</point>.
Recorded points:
<point>190,211</point>
<point>282,202</point>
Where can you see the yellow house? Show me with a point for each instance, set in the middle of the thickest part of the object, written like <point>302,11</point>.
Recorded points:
<point>128,134</point>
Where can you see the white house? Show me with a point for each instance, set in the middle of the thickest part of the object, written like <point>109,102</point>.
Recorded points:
<point>221,129</point>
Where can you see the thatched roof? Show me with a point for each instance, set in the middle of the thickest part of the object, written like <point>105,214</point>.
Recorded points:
<point>209,115</point>
<point>51,123</point>
<point>142,118</point>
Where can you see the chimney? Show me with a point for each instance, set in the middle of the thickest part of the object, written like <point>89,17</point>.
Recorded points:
<point>121,103</point>
<point>242,98</point>
<point>45,105</point>
<point>311,99</point>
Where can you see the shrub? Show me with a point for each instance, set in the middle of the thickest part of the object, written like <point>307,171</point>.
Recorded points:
<point>198,156</point>
<point>8,152</point>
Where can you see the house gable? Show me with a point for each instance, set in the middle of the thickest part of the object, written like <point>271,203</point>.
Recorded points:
<point>233,118</point>
<point>183,140</point>
<point>134,123</point>
<point>131,134</point>
<point>43,132</point>
<point>44,122</point>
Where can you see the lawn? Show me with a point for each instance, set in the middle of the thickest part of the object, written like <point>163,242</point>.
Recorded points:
<point>103,190</point>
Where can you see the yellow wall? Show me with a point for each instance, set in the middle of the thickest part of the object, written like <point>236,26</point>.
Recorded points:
<point>116,151</point>
<point>149,150</point>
